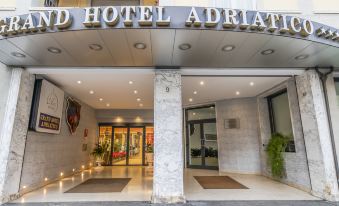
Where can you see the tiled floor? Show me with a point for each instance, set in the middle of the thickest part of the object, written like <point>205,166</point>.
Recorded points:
<point>140,188</point>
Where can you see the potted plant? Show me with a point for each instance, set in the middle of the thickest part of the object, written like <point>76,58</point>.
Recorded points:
<point>275,148</point>
<point>98,153</point>
<point>149,154</point>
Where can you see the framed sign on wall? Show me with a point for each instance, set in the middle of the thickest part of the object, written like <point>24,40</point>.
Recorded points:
<point>47,106</point>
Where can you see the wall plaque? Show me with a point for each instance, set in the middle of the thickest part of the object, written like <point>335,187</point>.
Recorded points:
<point>47,107</point>
<point>232,123</point>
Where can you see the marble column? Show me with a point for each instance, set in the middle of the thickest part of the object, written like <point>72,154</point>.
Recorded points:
<point>13,133</point>
<point>168,138</point>
<point>317,136</point>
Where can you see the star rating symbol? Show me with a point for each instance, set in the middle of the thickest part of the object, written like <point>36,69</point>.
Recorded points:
<point>329,33</point>
<point>321,31</point>
<point>335,36</point>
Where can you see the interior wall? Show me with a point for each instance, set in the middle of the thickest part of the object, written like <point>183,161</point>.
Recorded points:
<point>296,165</point>
<point>47,155</point>
<point>125,115</point>
<point>238,148</point>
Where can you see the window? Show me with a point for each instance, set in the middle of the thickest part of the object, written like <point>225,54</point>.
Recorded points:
<point>7,3</point>
<point>280,117</point>
<point>236,4</point>
<point>286,5</point>
<point>326,6</point>
<point>336,82</point>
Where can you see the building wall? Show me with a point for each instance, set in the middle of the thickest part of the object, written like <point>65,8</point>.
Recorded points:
<point>125,115</point>
<point>334,110</point>
<point>296,165</point>
<point>5,78</point>
<point>238,148</point>
<point>47,155</point>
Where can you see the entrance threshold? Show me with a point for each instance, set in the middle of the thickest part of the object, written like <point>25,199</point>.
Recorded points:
<point>139,189</point>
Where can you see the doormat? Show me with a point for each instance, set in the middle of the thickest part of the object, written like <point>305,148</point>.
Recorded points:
<point>100,185</point>
<point>218,182</point>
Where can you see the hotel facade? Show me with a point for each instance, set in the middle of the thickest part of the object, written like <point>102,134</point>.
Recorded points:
<point>168,96</point>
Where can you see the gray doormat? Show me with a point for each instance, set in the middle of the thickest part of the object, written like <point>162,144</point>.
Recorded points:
<point>218,182</point>
<point>100,185</point>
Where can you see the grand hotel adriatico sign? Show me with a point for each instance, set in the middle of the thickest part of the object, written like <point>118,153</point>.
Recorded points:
<point>167,17</point>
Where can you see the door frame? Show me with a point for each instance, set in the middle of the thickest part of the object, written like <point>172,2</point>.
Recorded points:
<point>128,126</point>
<point>201,122</point>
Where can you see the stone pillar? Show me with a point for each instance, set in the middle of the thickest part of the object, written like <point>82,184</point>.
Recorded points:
<point>334,109</point>
<point>13,133</point>
<point>317,136</point>
<point>168,138</point>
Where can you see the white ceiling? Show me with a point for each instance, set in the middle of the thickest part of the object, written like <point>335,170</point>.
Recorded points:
<point>115,89</point>
<point>162,49</point>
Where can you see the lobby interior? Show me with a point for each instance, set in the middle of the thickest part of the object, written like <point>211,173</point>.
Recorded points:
<point>117,106</point>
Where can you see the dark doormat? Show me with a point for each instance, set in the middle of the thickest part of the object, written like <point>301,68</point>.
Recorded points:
<point>218,182</point>
<point>100,185</point>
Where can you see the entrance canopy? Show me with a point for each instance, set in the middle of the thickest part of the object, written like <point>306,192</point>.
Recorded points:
<point>166,36</point>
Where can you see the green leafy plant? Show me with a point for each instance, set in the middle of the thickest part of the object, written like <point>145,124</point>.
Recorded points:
<point>195,152</point>
<point>149,148</point>
<point>275,149</point>
<point>98,151</point>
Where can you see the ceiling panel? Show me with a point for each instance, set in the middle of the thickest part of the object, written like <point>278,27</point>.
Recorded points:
<point>116,41</point>
<point>77,43</point>
<point>220,88</point>
<point>162,46</point>
<point>205,48</point>
<point>183,57</point>
<point>223,59</point>
<point>37,45</point>
<point>284,49</point>
<point>162,49</point>
<point>113,88</point>
<point>312,50</point>
<point>7,48</point>
<point>141,57</point>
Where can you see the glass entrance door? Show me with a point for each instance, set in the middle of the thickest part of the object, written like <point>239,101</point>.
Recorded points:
<point>128,146</point>
<point>201,139</point>
<point>119,146</point>
<point>136,146</point>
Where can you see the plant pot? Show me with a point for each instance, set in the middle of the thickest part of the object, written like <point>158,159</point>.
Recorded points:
<point>149,158</point>
<point>99,161</point>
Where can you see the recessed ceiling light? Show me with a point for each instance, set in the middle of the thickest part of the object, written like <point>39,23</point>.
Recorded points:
<point>141,105</point>
<point>194,113</point>
<point>184,46</point>
<point>79,82</point>
<point>18,54</point>
<point>101,99</point>
<point>211,107</point>
<point>91,92</point>
<point>237,93</point>
<point>135,91</point>
<point>130,82</point>
<point>252,83</point>
<point>138,99</point>
<point>140,46</point>
<point>301,57</point>
<point>195,92</point>
<point>190,99</point>
<point>202,83</point>
<point>95,47</point>
<point>228,48</point>
<point>54,50</point>
<point>107,105</point>
<point>267,52</point>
